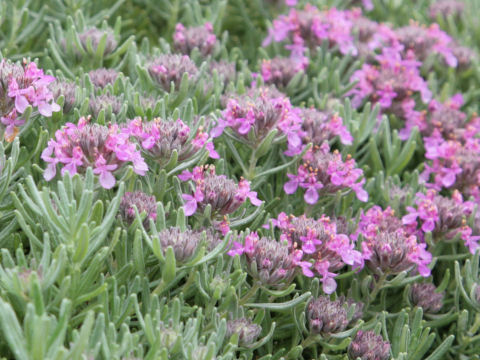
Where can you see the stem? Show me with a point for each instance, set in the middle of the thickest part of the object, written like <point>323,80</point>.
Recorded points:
<point>378,287</point>
<point>249,294</point>
<point>310,340</point>
<point>252,164</point>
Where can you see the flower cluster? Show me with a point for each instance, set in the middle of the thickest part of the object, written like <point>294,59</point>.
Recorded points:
<point>324,172</point>
<point>200,37</point>
<point>105,102</point>
<point>160,138</point>
<point>394,252</point>
<point>105,149</point>
<point>327,317</point>
<point>391,84</point>
<point>279,71</point>
<point>167,69</point>
<point>426,297</point>
<point>445,8</point>
<point>90,39</point>
<point>424,41</point>
<point>102,77</point>
<point>389,247</point>
<point>247,331</point>
<point>185,243</point>
<point>310,27</point>
<point>319,126</point>
<point>260,111</point>
<point>318,245</point>
<point>20,87</point>
<point>445,217</point>
<point>269,261</point>
<point>369,346</point>
<point>222,194</point>
<point>66,89</point>
<point>445,118</point>
<point>143,202</point>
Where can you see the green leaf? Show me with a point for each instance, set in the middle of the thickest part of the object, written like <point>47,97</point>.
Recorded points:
<point>282,306</point>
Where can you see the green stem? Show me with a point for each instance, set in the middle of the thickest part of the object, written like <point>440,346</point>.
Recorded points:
<point>251,166</point>
<point>310,340</point>
<point>378,287</point>
<point>249,294</point>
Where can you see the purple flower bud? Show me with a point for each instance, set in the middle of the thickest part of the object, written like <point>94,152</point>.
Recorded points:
<point>160,137</point>
<point>326,317</point>
<point>465,56</point>
<point>168,68</point>
<point>185,243</point>
<point>104,101</point>
<point>446,8</point>
<point>319,126</point>
<point>368,346</point>
<point>388,252</point>
<point>102,77</point>
<point>200,37</point>
<point>452,215</point>
<point>226,70</point>
<point>425,296</point>
<point>68,90</point>
<point>279,71</point>
<point>247,331</point>
<point>143,202</point>
<point>95,35</point>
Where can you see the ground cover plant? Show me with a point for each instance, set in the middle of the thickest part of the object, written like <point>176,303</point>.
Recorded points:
<point>239,179</point>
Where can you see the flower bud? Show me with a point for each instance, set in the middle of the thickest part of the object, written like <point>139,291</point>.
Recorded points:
<point>95,36</point>
<point>368,346</point>
<point>185,243</point>
<point>326,317</point>
<point>446,8</point>
<point>425,296</point>
<point>247,331</point>
<point>102,77</point>
<point>104,101</point>
<point>394,252</point>
<point>168,68</point>
<point>68,90</point>
<point>143,202</point>
<point>200,37</point>
<point>279,71</point>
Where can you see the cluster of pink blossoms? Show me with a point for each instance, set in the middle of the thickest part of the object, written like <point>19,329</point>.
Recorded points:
<point>222,194</point>
<point>392,84</point>
<point>356,35</point>
<point>324,172</point>
<point>388,245</point>
<point>106,149</point>
<point>317,127</point>
<point>444,217</point>
<point>317,244</point>
<point>260,111</point>
<point>446,118</point>
<point>200,37</point>
<point>160,138</point>
<point>310,27</point>
<point>453,161</point>
<point>22,87</point>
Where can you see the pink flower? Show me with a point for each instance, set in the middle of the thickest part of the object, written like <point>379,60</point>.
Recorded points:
<point>107,180</point>
<point>190,206</point>
<point>329,285</point>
